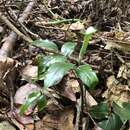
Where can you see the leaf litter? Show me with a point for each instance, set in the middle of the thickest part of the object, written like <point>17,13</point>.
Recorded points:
<point>112,37</point>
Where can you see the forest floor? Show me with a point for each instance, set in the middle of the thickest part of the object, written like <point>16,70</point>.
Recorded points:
<point>61,21</point>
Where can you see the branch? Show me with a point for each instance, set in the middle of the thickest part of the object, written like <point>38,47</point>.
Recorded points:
<point>8,45</point>
<point>12,27</point>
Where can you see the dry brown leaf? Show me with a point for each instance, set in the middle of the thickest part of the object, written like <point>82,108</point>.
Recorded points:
<point>124,71</point>
<point>116,91</point>
<point>74,85</point>
<point>71,87</point>
<point>119,35</point>
<point>61,120</point>
<point>7,73</point>
<point>74,26</point>
<point>67,120</point>
<point>69,94</point>
<point>21,126</point>
<point>24,91</point>
<point>29,126</point>
<point>30,72</point>
<point>117,39</point>
<point>120,46</point>
<point>6,64</point>
<point>23,119</point>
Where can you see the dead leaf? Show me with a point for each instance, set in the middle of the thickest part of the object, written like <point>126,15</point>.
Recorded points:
<point>119,35</point>
<point>21,126</point>
<point>124,71</point>
<point>6,64</point>
<point>30,72</point>
<point>71,87</point>
<point>22,94</point>
<point>69,94</point>
<point>74,85</point>
<point>30,126</point>
<point>23,119</point>
<point>117,39</point>
<point>24,91</point>
<point>7,73</point>
<point>61,120</point>
<point>116,91</point>
<point>120,46</point>
<point>74,26</point>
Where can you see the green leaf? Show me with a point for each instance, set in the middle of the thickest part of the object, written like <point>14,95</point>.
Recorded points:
<point>87,75</point>
<point>87,38</point>
<point>45,61</point>
<point>32,99</point>
<point>41,103</point>
<point>46,44</point>
<point>41,67</point>
<point>112,123</point>
<point>122,110</point>
<point>48,60</point>
<point>68,48</point>
<point>56,72</point>
<point>99,111</point>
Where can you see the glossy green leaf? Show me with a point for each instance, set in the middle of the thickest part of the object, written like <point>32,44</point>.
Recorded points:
<point>56,72</point>
<point>87,38</point>
<point>48,60</point>
<point>112,123</point>
<point>68,48</point>
<point>45,61</point>
<point>87,75</point>
<point>41,103</point>
<point>32,99</point>
<point>41,67</point>
<point>122,110</point>
<point>99,111</point>
<point>46,44</point>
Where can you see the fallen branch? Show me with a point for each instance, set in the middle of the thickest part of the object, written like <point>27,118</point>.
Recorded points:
<point>7,73</point>
<point>8,45</point>
<point>12,27</point>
